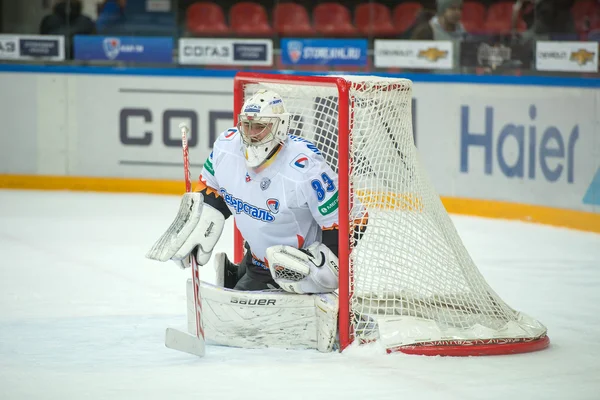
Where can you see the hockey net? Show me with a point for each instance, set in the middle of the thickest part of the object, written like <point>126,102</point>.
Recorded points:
<point>408,281</point>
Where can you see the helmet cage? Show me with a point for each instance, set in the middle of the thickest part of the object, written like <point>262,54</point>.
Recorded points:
<point>263,124</point>
<point>257,131</point>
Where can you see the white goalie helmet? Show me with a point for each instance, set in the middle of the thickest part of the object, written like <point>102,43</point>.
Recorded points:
<point>263,123</point>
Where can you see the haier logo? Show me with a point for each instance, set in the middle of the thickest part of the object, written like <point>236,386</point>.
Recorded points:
<point>539,147</point>
<point>592,195</point>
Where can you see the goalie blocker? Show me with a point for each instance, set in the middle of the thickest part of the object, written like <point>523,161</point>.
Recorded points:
<point>265,318</point>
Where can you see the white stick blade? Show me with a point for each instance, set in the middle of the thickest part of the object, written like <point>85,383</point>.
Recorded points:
<point>183,341</point>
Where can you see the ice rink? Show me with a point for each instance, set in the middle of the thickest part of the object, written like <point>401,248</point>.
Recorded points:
<point>83,314</point>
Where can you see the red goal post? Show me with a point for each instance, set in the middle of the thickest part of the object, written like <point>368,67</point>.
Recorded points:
<point>341,85</point>
<point>424,295</point>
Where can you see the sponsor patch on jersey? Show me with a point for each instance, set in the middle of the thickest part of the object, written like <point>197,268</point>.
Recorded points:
<point>208,165</point>
<point>240,206</point>
<point>300,162</point>
<point>229,134</point>
<point>273,205</point>
<point>330,205</point>
<point>252,108</point>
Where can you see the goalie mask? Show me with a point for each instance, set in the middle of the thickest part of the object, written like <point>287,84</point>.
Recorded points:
<point>263,124</point>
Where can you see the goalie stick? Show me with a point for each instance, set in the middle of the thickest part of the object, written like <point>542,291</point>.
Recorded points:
<point>175,339</point>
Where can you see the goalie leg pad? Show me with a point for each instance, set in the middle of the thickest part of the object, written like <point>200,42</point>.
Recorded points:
<point>311,270</point>
<point>262,319</point>
<point>326,306</point>
<point>196,226</point>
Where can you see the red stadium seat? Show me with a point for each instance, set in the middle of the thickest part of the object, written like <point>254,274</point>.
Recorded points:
<point>499,17</point>
<point>374,19</point>
<point>473,17</point>
<point>405,15</point>
<point>206,18</point>
<point>595,21</point>
<point>585,13</point>
<point>333,19</point>
<point>249,19</point>
<point>291,19</point>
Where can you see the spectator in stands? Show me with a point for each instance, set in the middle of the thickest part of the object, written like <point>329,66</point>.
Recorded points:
<point>445,25</point>
<point>111,13</point>
<point>543,18</point>
<point>421,21</point>
<point>66,19</point>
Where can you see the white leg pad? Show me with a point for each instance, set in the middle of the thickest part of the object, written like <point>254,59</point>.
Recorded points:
<point>326,307</point>
<point>264,319</point>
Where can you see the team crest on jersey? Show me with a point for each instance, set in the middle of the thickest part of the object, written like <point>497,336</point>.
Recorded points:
<point>300,162</point>
<point>229,134</point>
<point>265,183</point>
<point>273,205</point>
<point>248,179</point>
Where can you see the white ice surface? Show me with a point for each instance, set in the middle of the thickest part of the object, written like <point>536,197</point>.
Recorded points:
<point>83,314</point>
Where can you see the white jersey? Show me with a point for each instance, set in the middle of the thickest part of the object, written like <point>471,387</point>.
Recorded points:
<point>287,202</point>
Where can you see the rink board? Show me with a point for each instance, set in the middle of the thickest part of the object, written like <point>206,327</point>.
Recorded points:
<point>519,148</point>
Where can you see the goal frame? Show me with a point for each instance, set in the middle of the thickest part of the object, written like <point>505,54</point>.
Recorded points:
<point>343,86</point>
<point>344,124</point>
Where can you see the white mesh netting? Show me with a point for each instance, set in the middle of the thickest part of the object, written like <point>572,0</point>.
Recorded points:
<point>412,280</point>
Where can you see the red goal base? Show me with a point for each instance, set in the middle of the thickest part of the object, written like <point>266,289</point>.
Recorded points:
<point>464,348</point>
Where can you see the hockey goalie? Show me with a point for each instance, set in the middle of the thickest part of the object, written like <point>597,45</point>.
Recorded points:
<point>283,197</point>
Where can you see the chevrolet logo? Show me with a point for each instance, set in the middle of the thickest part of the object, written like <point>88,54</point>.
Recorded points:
<point>582,56</point>
<point>432,54</point>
